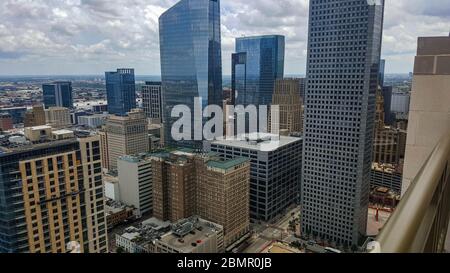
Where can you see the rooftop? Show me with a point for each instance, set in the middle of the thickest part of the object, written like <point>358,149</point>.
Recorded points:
<point>227,164</point>
<point>258,141</point>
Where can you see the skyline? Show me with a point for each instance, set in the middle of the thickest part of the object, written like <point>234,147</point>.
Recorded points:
<point>81,36</point>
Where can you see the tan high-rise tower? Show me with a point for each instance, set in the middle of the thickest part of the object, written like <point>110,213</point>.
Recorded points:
<point>429,116</point>
<point>287,96</point>
<point>127,135</point>
<point>35,116</point>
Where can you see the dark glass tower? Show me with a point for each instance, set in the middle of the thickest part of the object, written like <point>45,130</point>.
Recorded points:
<point>342,71</point>
<point>191,59</point>
<point>120,91</point>
<point>58,94</point>
<point>257,63</point>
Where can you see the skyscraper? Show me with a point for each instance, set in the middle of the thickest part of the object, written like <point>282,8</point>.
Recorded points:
<point>191,58</point>
<point>342,74</point>
<point>52,194</point>
<point>152,101</point>
<point>287,96</point>
<point>126,135</point>
<point>429,114</point>
<point>120,91</point>
<point>58,94</point>
<point>257,63</point>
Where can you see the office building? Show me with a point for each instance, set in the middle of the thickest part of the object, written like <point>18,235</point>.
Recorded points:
<point>58,117</point>
<point>120,91</point>
<point>52,194</point>
<point>58,94</point>
<point>256,65</point>
<point>152,101</point>
<point>429,117</point>
<point>187,184</point>
<point>381,73</point>
<point>191,59</point>
<point>302,88</point>
<point>93,121</point>
<point>35,116</point>
<point>287,96</point>
<point>6,122</point>
<point>400,104</point>
<point>76,114</point>
<point>389,117</point>
<point>342,74</point>
<point>135,183</point>
<point>126,135</point>
<point>275,171</point>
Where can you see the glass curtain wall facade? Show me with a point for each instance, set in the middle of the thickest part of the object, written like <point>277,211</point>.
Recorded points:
<point>191,59</point>
<point>342,72</point>
<point>258,62</point>
<point>58,94</point>
<point>120,91</point>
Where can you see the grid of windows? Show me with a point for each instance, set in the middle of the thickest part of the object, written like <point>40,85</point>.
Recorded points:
<point>343,63</point>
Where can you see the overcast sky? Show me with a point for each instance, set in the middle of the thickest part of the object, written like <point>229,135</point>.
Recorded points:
<point>42,37</point>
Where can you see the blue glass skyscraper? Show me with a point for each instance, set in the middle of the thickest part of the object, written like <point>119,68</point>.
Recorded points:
<point>58,94</point>
<point>257,63</point>
<point>191,58</point>
<point>120,91</point>
<point>344,46</point>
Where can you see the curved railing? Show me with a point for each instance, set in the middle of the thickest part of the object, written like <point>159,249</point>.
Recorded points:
<point>420,222</point>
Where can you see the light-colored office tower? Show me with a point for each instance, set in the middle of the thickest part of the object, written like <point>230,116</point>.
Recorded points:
<point>275,170</point>
<point>135,183</point>
<point>93,121</point>
<point>429,116</point>
<point>35,116</point>
<point>127,135</point>
<point>387,176</point>
<point>187,184</point>
<point>152,101</point>
<point>58,191</point>
<point>58,117</point>
<point>344,48</point>
<point>287,96</point>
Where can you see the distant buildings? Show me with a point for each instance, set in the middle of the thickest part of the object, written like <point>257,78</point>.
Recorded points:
<point>58,117</point>
<point>287,96</point>
<point>35,116</point>
<point>120,91</point>
<point>118,213</point>
<point>17,113</point>
<point>45,214</point>
<point>6,122</point>
<point>152,101</point>
<point>186,184</point>
<point>275,171</point>
<point>191,59</point>
<point>58,94</point>
<point>342,73</point>
<point>126,135</point>
<point>429,116</point>
<point>135,183</point>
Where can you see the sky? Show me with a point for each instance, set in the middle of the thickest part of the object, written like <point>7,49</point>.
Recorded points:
<point>70,37</point>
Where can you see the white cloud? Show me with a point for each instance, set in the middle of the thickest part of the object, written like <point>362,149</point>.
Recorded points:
<point>91,36</point>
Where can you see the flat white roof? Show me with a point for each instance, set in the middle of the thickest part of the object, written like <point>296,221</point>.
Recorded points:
<point>257,141</point>
<point>62,132</point>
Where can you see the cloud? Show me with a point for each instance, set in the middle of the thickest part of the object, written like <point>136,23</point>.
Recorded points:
<point>92,36</point>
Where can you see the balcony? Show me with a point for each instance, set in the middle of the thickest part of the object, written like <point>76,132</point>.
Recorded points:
<point>420,222</point>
